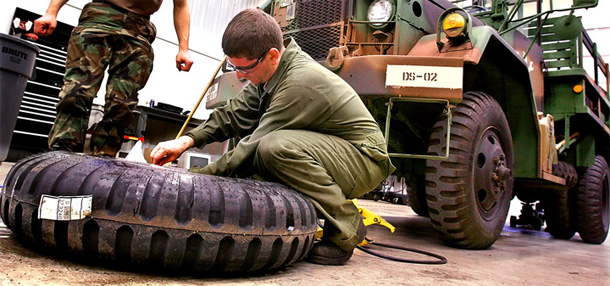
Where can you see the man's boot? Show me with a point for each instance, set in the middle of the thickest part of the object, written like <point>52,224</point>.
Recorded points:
<point>328,253</point>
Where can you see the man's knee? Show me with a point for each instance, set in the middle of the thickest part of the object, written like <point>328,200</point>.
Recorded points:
<point>76,105</point>
<point>271,147</point>
<point>121,112</point>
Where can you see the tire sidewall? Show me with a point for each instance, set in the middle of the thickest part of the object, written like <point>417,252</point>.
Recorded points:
<point>592,225</point>
<point>495,121</point>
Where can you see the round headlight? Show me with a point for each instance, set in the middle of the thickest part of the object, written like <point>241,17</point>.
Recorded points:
<point>380,11</point>
<point>454,25</point>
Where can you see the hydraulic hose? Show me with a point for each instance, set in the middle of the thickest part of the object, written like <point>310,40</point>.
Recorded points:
<point>441,259</point>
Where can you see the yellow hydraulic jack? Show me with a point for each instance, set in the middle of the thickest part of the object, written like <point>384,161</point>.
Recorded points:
<point>368,218</point>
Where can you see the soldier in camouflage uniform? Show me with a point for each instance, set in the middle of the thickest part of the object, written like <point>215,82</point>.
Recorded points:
<point>113,34</point>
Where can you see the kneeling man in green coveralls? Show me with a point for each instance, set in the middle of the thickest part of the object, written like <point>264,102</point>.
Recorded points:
<point>299,124</point>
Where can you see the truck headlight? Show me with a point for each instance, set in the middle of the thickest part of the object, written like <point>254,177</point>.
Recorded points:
<point>380,11</point>
<point>454,25</point>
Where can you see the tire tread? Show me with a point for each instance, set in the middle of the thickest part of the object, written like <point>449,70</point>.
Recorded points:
<point>161,217</point>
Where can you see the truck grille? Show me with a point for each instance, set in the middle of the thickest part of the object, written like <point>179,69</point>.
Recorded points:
<point>317,26</point>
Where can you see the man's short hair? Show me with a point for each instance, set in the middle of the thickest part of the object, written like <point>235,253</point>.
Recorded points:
<point>250,34</point>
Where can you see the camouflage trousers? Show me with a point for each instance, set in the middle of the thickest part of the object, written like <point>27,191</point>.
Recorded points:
<point>104,38</point>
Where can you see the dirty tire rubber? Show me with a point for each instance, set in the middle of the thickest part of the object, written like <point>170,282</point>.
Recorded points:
<point>557,215</point>
<point>566,171</point>
<point>592,199</point>
<point>557,210</point>
<point>467,208</point>
<point>157,217</point>
<point>417,199</point>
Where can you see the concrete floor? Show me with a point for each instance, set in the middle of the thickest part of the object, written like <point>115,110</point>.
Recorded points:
<point>519,257</point>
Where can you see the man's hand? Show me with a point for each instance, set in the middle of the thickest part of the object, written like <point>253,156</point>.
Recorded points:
<point>169,151</point>
<point>45,25</point>
<point>183,61</point>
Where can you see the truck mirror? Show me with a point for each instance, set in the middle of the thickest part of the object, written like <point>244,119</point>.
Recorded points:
<point>585,3</point>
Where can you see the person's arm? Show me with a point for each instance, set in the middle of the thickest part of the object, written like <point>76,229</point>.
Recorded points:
<point>46,24</point>
<point>299,107</point>
<point>182,23</point>
<point>237,118</point>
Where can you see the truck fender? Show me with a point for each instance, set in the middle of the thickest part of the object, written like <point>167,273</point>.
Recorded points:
<point>492,66</point>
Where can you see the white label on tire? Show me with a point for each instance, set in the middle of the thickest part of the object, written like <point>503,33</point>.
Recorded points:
<point>64,208</point>
<point>424,76</point>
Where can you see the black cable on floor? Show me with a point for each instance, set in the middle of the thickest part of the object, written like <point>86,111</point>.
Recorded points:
<point>441,259</point>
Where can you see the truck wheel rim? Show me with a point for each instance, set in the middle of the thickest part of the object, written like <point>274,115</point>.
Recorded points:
<point>490,173</point>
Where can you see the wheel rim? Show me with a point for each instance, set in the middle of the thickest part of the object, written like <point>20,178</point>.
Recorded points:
<point>490,174</point>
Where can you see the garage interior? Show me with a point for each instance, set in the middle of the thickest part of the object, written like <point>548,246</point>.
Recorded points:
<point>521,256</point>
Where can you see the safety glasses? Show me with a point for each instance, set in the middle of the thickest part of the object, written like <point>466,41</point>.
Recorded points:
<point>249,68</point>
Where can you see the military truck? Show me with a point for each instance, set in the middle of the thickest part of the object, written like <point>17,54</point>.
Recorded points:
<point>481,102</point>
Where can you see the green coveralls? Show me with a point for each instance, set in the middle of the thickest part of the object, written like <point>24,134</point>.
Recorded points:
<point>306,128</point>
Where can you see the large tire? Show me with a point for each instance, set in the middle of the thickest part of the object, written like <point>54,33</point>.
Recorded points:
<point>160,217</point>
<point>566,171</point>
<point>469,194</point>
<point>417,198</point>
<point>592,198</point>
<point>556,203</point>
<point>557,214</point>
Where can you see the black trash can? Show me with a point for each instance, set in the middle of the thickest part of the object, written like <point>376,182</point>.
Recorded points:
<point>17,58</point>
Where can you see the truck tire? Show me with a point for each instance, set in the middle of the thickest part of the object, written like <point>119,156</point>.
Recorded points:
<point>417,198</point>
<point>158,217</point>
<point>556,203</point>
<point>469,194</point>
<point>566,171</point>
<point>592,199</point>
<point>557,214</point>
